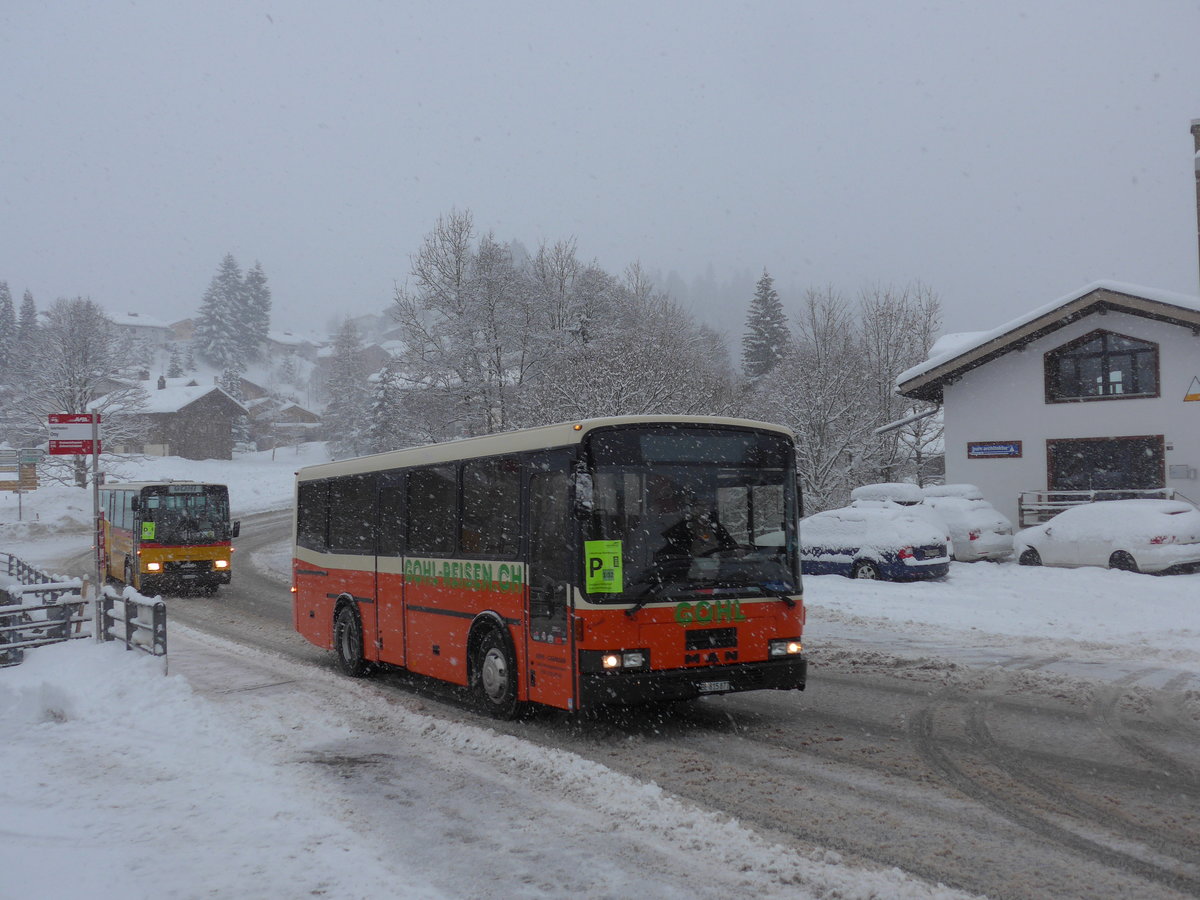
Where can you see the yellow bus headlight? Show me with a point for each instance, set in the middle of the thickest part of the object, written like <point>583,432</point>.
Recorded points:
<point>153,567</point>
<point>221,564</point>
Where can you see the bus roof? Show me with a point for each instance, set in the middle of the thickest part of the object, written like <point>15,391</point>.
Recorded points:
<point>562,434</point>
<point>166,482</point>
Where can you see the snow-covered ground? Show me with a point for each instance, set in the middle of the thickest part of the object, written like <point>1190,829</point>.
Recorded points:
<point>174,787</point>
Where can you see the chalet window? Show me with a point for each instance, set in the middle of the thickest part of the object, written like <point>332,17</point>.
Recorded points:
<point>1102,366</point>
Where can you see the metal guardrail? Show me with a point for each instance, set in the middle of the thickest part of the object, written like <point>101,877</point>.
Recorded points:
<point>1035,507</point>
<point>23,624</point>
<point>136,621</point>
<point>139,623</point>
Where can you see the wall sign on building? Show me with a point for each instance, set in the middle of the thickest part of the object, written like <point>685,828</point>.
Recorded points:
<point>993,450</point>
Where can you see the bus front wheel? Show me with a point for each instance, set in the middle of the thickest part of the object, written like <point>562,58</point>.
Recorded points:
<point>495,677</point>
<point>347,641</point>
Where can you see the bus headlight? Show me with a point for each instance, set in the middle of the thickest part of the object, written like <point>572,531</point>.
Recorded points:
<point>613,661</point>
<point>784,647</point>
<point>153,567</point>
<point>221,564</point>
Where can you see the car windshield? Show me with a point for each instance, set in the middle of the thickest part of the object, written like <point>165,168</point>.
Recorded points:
<point>185,514</point>
<point>692,511</point>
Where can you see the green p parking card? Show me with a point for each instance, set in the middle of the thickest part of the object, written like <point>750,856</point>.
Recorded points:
<point>604,572</point>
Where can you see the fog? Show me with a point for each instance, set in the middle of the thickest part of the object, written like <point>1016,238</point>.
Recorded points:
<point>1003,153</point>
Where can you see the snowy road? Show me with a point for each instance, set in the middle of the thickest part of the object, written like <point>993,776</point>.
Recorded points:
<point>1010,780</point>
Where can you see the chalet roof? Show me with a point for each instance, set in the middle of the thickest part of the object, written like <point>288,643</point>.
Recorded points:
<point>177,395</point>
<point>953,355</point>
<point>140,320</point>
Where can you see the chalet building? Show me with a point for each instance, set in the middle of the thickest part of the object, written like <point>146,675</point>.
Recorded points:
<point>279,423</point>
<point>1097,391</point>
<point>189,420</point>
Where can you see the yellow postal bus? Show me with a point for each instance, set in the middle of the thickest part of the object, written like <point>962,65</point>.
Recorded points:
<point>168,535</point>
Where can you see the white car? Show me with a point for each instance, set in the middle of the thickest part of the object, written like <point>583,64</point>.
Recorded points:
<point>977,529</point>
<point>903,494</point>
<point>1135,535</point>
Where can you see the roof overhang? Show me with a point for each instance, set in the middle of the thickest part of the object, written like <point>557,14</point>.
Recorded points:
<point>927,384</point>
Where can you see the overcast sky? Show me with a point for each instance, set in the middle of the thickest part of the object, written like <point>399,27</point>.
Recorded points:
<point>1003,153</point>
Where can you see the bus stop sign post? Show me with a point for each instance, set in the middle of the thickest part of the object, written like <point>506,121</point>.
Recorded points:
<point>78,434</point>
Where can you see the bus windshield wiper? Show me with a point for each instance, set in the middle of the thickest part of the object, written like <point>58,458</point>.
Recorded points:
<point>652,590</point>
<point>781,594</point>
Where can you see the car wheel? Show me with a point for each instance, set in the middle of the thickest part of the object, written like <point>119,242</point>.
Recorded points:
<point>864,569</point>
<point>1030,557</point>
<point>1123,561</point>
<point>495,677</point>
<point>347,641</point>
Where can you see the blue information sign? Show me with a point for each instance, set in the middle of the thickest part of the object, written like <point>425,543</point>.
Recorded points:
<point>993,449</point>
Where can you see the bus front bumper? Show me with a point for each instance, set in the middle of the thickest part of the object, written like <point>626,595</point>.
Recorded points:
<point>684,684</point>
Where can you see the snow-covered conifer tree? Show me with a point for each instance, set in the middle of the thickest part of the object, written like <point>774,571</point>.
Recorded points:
<point>385,418</point>
<point>346,413</point>
<point>766,339</point>
<point>8,329</point>
<point>256,314</point>
<point>219,336</point>
<point>175,364</point>
<point>27,324</point>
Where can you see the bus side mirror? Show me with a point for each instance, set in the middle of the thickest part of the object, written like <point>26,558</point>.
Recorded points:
<point>237,528</point>
<point>135,503</point>
<point>585,498</point>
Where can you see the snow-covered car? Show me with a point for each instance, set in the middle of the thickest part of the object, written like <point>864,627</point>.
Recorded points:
<point>1135,535</point>
<point>901,493</point>
<point>880,541</point>
<point>977,529</point>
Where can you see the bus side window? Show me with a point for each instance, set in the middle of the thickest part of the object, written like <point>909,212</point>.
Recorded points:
<point>352,514</point>
<point>492,507</point>
<point>311,514</point>
<point>431,500</point>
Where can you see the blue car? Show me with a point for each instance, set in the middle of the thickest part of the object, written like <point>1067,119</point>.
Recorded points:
<point>883,541</point>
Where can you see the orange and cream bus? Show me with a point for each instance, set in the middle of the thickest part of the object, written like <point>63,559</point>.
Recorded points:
<point>168,535</point>
<point>607,561</point>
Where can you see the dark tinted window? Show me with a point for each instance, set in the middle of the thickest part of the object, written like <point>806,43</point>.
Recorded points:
<point>352,514</point>
<point>391,514</point>
<point>1102,365</point>
<point>311,509</point>
<point>432,503</point>
<point>491,507</point>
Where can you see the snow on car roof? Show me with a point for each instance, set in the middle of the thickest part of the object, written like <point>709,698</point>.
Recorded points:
<point>896,491</point>
<point>965,491</point>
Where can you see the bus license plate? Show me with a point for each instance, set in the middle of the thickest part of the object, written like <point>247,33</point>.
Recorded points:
<point>715,687</point>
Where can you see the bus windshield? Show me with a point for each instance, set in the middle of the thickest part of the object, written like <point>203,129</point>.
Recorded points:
<point>695,510</point>
<point>185,514</point>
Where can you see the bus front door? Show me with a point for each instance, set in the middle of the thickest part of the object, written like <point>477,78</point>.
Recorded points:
<point>548,639</point>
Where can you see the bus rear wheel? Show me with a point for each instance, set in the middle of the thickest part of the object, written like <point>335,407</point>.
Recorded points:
<point>348,642</point>
<point>494,677</point>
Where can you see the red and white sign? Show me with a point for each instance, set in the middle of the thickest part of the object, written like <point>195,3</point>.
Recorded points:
<point>71,433</point>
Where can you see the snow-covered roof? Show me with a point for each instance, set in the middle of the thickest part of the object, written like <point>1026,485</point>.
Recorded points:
<point>175,397</point>
<point>178,393</point>
<point>955,354</point>
<point>293,339</point>
<point>137,319</point>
